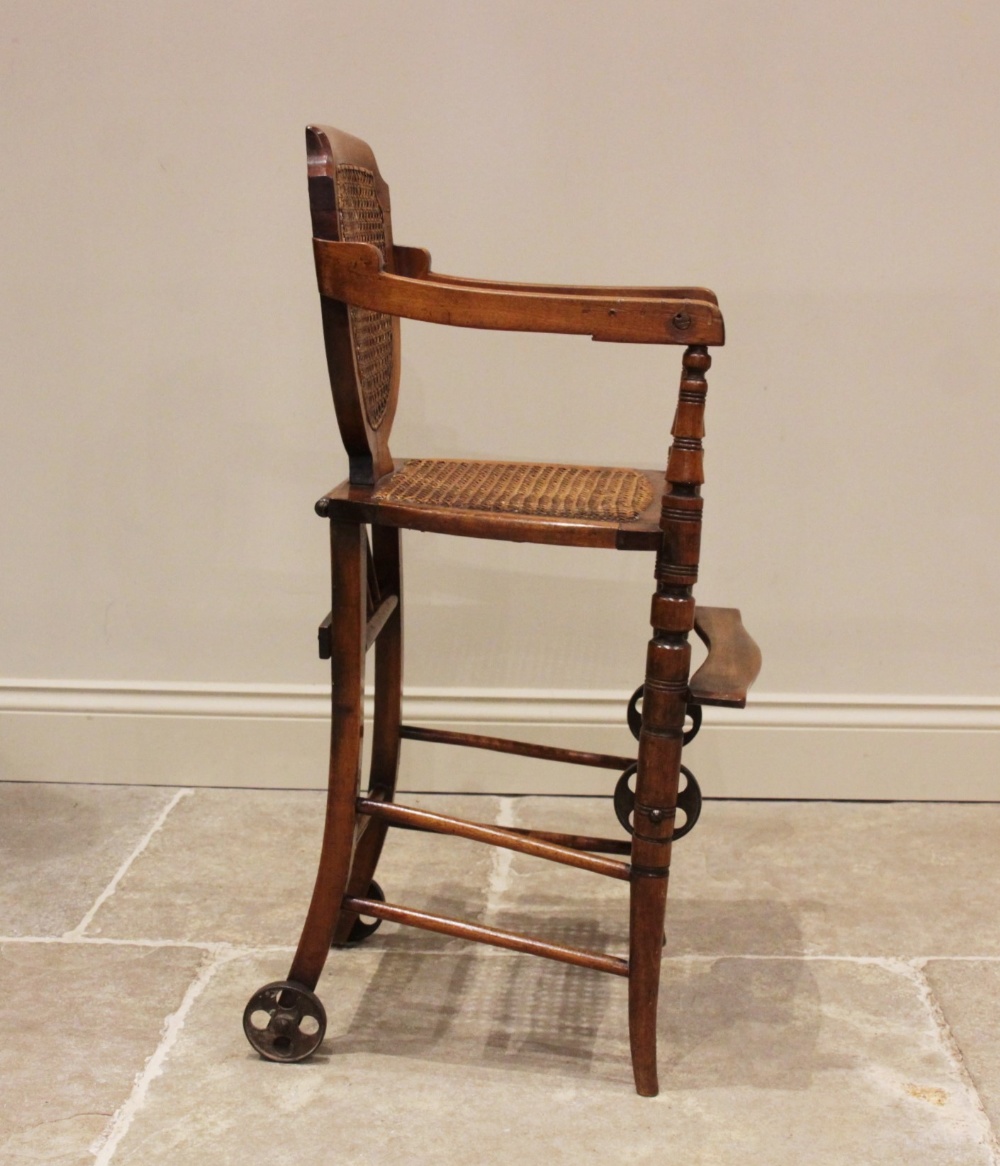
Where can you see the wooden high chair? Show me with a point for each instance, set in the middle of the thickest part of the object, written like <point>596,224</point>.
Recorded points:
<point>366,284</point>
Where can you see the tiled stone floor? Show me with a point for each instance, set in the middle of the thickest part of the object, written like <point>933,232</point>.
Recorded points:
<point>830,990</point>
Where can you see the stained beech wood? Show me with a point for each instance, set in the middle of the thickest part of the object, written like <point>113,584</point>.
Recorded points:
<point>415,262</point>
<point>521,748</point>
<point>647,909</point>
<point>493,936</point>
<point>574,841</point>
<point>354,273</point>
<point>379,619</point>
<point>494,835</point>
<point>374,595</point>
<point>388,704</point>
<point>355,280</point>
<point>367,445</point>
<point>351,502</point>
<point>386,565</point>
<point>733,660</point>
<point>664,706</point>
<point>323,637</point>
<point>577,841</point>
<point>348,557</point>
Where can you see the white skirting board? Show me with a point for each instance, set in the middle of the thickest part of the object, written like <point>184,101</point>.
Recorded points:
<point>780,746</point>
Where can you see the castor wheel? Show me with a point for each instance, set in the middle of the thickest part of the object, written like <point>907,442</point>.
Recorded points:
<point>361,930</point>
<point>633,715</point>
<point>688,801</point>
<point>284,1021</point>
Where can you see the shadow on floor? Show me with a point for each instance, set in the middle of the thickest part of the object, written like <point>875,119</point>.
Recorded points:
<point>723,1022</point>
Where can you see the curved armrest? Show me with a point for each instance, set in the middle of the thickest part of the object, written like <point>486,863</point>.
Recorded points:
<point>733,659</point>
<point>353,273</point>
<point>415,262</point>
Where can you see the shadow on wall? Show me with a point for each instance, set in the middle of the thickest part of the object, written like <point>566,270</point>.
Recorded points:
<point>534,617</point>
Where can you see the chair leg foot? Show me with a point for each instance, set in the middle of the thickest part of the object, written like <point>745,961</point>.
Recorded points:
<point>648,907</point>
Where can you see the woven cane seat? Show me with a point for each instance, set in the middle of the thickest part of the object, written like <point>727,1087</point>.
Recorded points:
<point>538,490</point>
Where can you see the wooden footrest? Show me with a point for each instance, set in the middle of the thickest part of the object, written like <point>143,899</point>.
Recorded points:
<point>733,658</point>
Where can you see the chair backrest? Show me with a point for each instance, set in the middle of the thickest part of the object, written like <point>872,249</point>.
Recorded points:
<point>349,203</point>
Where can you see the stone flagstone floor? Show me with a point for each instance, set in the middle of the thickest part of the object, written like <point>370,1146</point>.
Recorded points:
<point>830,989</point>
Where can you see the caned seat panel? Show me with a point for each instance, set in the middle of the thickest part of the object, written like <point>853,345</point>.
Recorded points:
<point>520,501</point>
<point>520,488</point>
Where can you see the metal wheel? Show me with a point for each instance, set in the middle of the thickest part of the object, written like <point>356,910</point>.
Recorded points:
<point>688,801</point>
<point>634,716</point>
<point>361,930</point>
<point>284,1021</point>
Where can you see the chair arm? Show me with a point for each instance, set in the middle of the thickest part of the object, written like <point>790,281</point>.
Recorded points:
<point>354,274</point>
<point>412,261</point>
<point>416,263</point>
<point>733,660</point>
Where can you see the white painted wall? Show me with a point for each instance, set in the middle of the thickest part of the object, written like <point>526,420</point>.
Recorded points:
<point>829,169</point>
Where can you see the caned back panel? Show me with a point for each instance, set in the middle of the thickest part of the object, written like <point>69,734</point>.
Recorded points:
<point>350,204</point>
<point>360,219</point>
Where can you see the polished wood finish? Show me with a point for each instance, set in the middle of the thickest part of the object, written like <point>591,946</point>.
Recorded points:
<point>355,273</point>
<point>415,262</point>
<point>521,748</point>
<point>349,562</point>
<point>388,713</point>
<point>351,502</point>
<point>574,841</point>
<point>387,570</point>
<point>577,841</point>
<point>396,815</point>
<point>367,443</point>
<point>493,936</point>
<point>377,620</point>
<point>366,284</point>
<point>733,660</point>
<point>380,617</point>
<point>664,706</point>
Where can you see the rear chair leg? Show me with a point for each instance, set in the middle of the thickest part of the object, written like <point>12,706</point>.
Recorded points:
<point>386,553</point>
<point>285,1021</point>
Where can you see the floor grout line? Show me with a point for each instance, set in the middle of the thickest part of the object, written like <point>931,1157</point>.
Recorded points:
<point>953,1052</point>
<point>105,1146</point>
<point>119,874</point>
<point>207,945</point>
<point>501,862</point>
<point>890,962</point>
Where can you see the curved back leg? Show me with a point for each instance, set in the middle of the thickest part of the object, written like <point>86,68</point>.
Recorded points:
<point>387,558</point>
<point>349,554</point>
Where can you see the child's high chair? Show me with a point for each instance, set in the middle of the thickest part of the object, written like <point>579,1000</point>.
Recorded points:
<point>366,284</point>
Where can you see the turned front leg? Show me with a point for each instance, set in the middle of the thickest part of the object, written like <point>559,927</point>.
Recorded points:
<point>664,704</point>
